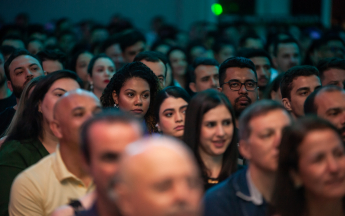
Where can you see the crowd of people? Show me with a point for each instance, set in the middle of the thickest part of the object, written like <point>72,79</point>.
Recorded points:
<point>222,120</point>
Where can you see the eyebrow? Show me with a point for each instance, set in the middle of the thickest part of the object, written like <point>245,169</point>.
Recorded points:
<point>303,89</point>
<point>334,109</point>
<point>23,66</point>
<point>60,89</point>
<point>169,109</point>
<point>240,81</point>
<point>78,108</point>
<point>184,106</point>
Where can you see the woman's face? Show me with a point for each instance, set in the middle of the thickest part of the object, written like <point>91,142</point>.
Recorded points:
<point>102,72</point>
<point>134,97</point>
<point>216,131</point>
<point>59,88</point>
<point>171,116</point>
<point>322,165</point>
<point>178,62</point>
<point>83,61</point>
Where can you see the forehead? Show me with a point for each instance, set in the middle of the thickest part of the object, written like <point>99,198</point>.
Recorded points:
<point>83,101</point>
<point>305,81</point>
<point>177,54</point>
<point>260,60</point>
<point>23,61</point>
<point>136,83</point>
<point>154,65</point>
<point>85,56</point>
<point>241,74</point>
<point>287,47</point>
<point>206,69</point>
<point>104,61</point>
<point>269,120</point>
<point>172,103</point>
<point>333,72</point>
<point>327,100</point>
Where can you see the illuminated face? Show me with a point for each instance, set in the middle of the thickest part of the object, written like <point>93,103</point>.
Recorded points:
<point>83,61</point>
<point>206,77</point>
<point>333,76</point>
<point>178,62</point>
<point>115,53</point>
<point>158,68</point>
<point>263,70</point>
<point>50,66</point>
<point>102,71</point>
<point>288,55</point>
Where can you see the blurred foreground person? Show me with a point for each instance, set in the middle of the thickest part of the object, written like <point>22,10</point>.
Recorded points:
<point>311,173</point>
<point>328,103</point>
<point>59,177</point>
<point>332,71</point>
<point>103,139</point>
<point>210,133</point>
<point>297,83</point>
<point>248,191</point>
<point>167,182</point>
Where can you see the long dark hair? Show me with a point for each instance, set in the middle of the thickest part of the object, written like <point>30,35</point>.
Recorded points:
<point>29,125</point>
<point>128,71</point>
<point>287,199</point>
<point>200,104</point>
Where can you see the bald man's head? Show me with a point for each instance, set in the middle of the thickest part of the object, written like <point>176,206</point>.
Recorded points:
<point>158,176</point>
<point>70,112</point>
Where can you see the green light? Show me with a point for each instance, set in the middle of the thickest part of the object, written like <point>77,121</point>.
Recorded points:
<point>217,9</point>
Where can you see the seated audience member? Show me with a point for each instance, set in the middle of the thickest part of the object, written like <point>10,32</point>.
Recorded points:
<point>204,74</point>
<point>66,40</point>
<point>34,46</point>
<point>31,138</point>
<point>132,42</point>
<point>161,46</point>
<point>157,62</point>
<point>297,83</point>
<point>248,191</point>
<point>100,70</point>
<point>111,47</point>
<point>52,60</point>
<point>177,58</point>
<point>196,49</point>
<point>238,81</point>
<point>103,139</point>
<point>60,177</point>
<point>327,47</point>
<point>210,133</point>
<point>251,41</point>
<point>13,41</point>
<point>79,64</point>
<point>170,110</point>
<point>328,103</point>
<point>332,71</point>
<point>222,50</point>
<point>98,33</point>
<point>310,177</point>
<point>173,186</point>
<point>7,98</point>
<point>133,89</point>
<point>20,68</point>
<point>263,65</point>
<point>273,89</point>
<point>287,54</point>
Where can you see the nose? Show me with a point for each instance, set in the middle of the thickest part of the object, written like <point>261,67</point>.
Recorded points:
<point>138,100</point>
<point>220,131</point>
<point>332,164</point>
<point>181,192</point>
<point>277,139</point>
<point>342,118</point>
<point>178,117</point>
<point>243,89</point>
<point>214,82</point>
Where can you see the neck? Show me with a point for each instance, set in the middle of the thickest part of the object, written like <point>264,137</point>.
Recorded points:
<point>323,207</point>
<point>180,80</point>
<point>263,181</point>
<point>97,92</point>
<point>5,92</point>
<point>212,163</point>
<point>72,159</point>
<point>105,207</point>
<point>49,141</point>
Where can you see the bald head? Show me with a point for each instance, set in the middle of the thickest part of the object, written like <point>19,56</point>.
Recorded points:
<point>166,182</point>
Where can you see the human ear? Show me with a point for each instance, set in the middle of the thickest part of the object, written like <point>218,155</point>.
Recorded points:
<point>287,104</point>
<point>192,86</point>
<point>296,179</point>
<point>9,85</point>
<point>115,97</point>
<point>55,128</point>
<point>220,89</point>
<point>244,149</point>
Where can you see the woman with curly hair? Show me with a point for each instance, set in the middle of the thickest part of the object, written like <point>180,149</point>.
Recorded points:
<point>133,88</point>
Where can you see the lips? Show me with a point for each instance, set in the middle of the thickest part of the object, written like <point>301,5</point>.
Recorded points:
<point>137,111</point>
<point>106,81</point>
<point>180,127</point>
<point>219,143</point>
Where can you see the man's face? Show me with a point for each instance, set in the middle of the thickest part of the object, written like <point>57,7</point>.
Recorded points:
<point>288,55</point>
<point>50,66</point>
<point>333,76</point>
<point>158,69</point>
<point>172,187</point>
<point>302,86</point>
<point>331,106</point>
<point>130,52</point>
<point>115,53</point>
<point>242,98</point>
<point>107,141</point>
<point>262,146</point>
<point>73,111</point>
<point>263,70</point>
<point>206,77</point>
<point>23,69</point>
<point>253,43</point>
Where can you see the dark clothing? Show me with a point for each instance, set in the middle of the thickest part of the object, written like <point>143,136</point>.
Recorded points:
<point>232,197</point>
<point>15,156</point>
<point>5,119</point>
<point>7,102</point>
<point>210,183</point>
<point>90,212</point>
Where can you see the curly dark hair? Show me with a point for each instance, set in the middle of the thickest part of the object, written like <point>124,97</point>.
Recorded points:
<point>128,71</point>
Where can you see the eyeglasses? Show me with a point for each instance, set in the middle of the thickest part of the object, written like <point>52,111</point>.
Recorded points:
<point>237,85</point>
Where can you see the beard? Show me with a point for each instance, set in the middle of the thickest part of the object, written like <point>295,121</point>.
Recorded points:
<point>17,91</point>
<point>239,109</point>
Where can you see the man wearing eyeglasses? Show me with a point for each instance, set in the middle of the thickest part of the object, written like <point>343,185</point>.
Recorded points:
<point>238,81</point>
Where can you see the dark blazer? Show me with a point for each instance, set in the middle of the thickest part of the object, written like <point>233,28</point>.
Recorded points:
<point>90,212</point>
<point>232,197</point>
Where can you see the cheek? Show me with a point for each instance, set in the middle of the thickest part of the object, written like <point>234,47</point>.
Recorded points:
<point>146,104</point>
<point>47,107</point>
<point>312,176</point>
<point>166,124</point>
<point>125,103</point>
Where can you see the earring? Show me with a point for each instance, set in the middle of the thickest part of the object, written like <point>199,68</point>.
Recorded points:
<point>116,105</point>
<point>91,87</point>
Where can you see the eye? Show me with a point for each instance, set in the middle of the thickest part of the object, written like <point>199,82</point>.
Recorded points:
<point>234,84</point>
<point>211,124</point>
<point>130,94</point>
<point>339,153</point>
<point>79,114</point>
<point>303,93</point>
<point>226,122</point>
<point>168,114</point>
<point>266,135</point>
<point>146,96</point>
<point>250,84</point>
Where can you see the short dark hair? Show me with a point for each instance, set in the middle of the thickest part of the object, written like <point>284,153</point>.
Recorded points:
<point>244,38</point>
<point>54,55</point>
<point>259,108</point>
<point>14,55</point>
<point>309,104</point>
<point>93,61</point>
<point>152,56</point>
<point>170,91</point>
<point>110,116</point>
<point>293,73</point>
<point>115,39</point>
<point>328,63</point>
<point>251,53</point>
<point>130,38</point>
<point>240,62</point>
<point>284,41</point>
<point>289,200</point>
<point>201,61</point>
